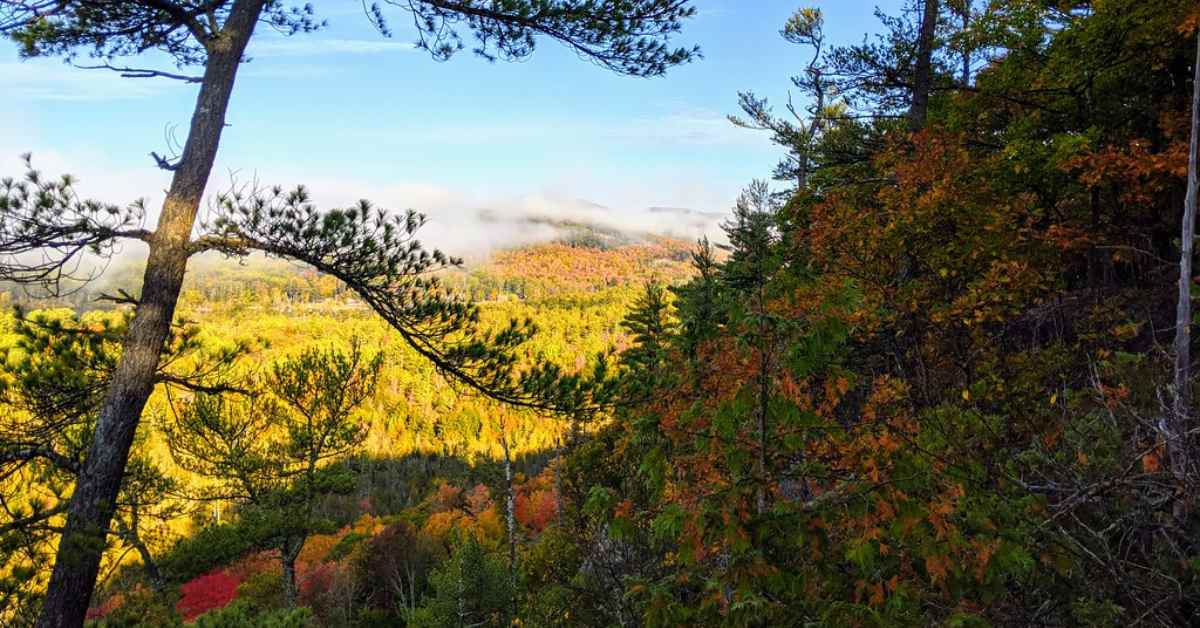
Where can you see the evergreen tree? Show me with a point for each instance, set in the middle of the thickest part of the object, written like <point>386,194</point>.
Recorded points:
<point>472,588</point>
<point>276,454</point>
<point>755,259</point>
<point>698,301</point>
<point>650,324</point>
<point>57,367</point>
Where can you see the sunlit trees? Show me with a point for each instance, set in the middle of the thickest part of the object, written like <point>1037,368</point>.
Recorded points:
<point>630,37</point>
<point>57,365</point>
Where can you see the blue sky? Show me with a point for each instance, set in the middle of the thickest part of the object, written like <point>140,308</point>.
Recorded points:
<point>353,114</point>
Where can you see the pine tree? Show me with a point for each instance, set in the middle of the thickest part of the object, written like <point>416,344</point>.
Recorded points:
<point>801,135</point>
<point>57,368</point>
<point>472,588</point>
<point>650,324</point>
<point>698,302</point>
<point>754,261</point>
<point>277,452</point>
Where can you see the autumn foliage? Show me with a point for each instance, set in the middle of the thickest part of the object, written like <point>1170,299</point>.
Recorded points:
<point>205,593</point>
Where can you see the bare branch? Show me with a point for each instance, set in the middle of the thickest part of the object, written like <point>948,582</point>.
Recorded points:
<point>163,162</point>
<point>128,72</point>
<point>122,297</point>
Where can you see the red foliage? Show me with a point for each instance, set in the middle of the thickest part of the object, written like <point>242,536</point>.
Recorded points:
<point>316,581</point>
<point>479,499</point>
<point>205,593</point>
<point>536,509</point>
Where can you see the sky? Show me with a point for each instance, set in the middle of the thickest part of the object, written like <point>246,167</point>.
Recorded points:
<point>352,114</point>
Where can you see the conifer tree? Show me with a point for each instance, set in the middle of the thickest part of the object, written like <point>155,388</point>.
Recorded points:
<point>698,301</point>
<point>55,374</point>
<point>748,274</point>
<point>276,454</point>
<point>801,135</point>
<point>650,325</point>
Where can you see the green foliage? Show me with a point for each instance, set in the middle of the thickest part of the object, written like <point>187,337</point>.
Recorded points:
<point>628,37</point>
<point>139,606</point>
<point>921,388</point>
<point>900,399</point>
<point>38,211</point>
<point>212,546</point>
<point>471,588</point>
<point>238,615</point>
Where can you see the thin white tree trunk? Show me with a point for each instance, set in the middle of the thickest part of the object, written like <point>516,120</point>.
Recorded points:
<point>510,515</point>
<point>1178,446</point>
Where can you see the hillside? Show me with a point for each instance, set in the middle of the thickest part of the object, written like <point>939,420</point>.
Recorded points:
<point>574,289</point>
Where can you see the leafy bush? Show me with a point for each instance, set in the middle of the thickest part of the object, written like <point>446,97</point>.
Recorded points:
<point>240,615</point>
<point>139,606</point>
<point>212,547</point>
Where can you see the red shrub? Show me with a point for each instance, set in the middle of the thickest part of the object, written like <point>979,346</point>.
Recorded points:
<point>204,593</point>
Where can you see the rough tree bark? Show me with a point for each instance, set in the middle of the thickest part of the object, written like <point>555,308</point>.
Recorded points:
<point>91,506</point>
<point>287,558</point>
<point>1178,445</point>
<point>923,70</point>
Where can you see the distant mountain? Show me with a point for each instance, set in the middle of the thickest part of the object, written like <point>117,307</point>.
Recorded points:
<point>582,223</point>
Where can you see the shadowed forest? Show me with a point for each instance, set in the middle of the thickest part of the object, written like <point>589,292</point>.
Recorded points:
<point>934,368</point>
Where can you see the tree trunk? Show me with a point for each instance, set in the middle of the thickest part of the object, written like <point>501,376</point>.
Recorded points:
<point>157,583</point>
<point>966,53</point>
<point>1178,445</point>
<point>91,507</point>
<point>510,516</point>
<point>132,537</point>
<point>287,558</point>
<point>764,401</point>
<point>923,72</point>
<point>558,479</point>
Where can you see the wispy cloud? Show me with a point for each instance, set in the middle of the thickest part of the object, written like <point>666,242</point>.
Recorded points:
<point>53,80</point>
<point>683,127</point>
<point>300,46</point>
<point>687,126</point>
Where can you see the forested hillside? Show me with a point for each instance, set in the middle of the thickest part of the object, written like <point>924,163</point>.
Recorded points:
<point>935,371</point>
<point>421,435</point>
